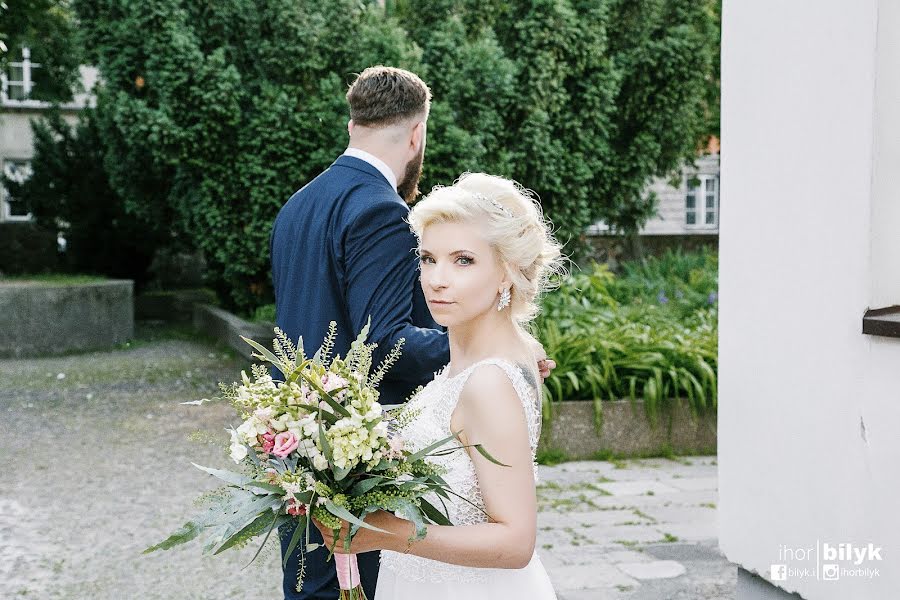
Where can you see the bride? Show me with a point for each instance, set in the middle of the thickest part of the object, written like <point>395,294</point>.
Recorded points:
<point>485,254</point>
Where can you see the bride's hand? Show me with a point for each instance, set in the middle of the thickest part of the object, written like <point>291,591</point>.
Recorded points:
<point>545,364</point>
<point>365,540</point>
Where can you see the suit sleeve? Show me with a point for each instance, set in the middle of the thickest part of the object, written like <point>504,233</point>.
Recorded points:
<point>381,271</point>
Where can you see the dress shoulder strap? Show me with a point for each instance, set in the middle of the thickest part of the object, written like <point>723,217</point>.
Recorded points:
<point>527,392</point>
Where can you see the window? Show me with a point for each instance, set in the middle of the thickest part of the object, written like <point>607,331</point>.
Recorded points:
<point>17,80</point>
<point>701,203</point>
<point>13,210</point>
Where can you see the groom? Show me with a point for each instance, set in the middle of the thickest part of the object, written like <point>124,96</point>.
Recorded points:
<point>341,251</point>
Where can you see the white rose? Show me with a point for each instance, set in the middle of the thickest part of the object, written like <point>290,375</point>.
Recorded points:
<point>238,452</point>
<point>320,463</point>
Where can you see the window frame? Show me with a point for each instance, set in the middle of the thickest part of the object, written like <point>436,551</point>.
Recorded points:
<point>27,82</point>
<point>700,209</point>
<point>5,207</point>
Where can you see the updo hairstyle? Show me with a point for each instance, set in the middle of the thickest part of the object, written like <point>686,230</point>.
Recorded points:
<point>513,221</point>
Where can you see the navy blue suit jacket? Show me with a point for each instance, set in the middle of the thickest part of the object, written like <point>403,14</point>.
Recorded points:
<point>342,251</point>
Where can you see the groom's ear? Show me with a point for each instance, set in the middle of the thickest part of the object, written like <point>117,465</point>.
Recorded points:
<point>350,127</point>
<point>418,136</point>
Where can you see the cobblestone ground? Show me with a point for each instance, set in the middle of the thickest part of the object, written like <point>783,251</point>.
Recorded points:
<point>97,449</point>
<point>636,529</point>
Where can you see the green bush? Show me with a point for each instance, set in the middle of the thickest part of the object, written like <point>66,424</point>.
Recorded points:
<point>686,282</point>
<point>27,248</point>
<point>608,350</point>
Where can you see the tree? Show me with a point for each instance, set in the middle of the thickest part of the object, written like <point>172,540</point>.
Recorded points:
<point>596,97</point>
<point>211,114</point>
<point>214,114</point>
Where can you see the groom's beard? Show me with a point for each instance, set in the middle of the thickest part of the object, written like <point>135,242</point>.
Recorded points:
<point>408,188</point>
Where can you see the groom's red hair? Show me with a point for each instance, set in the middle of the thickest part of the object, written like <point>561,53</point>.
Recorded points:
<point>382,96</point>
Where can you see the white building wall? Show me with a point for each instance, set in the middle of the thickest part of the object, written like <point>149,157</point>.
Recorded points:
<point>809,407</point>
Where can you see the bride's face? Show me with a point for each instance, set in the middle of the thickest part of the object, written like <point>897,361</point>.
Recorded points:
<point>460,274</point>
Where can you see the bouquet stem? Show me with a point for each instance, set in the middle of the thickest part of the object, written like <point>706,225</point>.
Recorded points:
<point>348,577</point>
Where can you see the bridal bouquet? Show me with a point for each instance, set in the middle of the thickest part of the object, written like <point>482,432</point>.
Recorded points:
<point>317,444</point>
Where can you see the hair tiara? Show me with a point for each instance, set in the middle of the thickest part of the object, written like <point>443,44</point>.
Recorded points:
<point>500,207</point>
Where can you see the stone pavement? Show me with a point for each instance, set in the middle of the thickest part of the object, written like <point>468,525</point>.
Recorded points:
<point>111,474</point>
<point>636,529</point>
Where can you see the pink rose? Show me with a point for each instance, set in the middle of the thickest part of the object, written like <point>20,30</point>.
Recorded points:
<point>285,443</point>
<point>268,442</point>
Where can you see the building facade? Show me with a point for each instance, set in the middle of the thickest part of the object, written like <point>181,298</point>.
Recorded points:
<point>687,215</point>
<point>17,111</point>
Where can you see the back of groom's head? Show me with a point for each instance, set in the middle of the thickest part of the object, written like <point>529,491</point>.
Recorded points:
<point>383,96</point>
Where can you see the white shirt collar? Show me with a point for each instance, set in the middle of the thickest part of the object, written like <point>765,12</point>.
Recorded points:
<point>375,162</point>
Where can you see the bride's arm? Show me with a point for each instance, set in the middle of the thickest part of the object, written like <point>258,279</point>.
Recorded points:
<point>493,416</point>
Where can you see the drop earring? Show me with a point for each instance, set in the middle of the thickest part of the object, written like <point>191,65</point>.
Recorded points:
<point>504,299</point>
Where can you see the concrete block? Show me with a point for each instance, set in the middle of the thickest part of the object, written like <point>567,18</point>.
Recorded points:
<point>41,318</point>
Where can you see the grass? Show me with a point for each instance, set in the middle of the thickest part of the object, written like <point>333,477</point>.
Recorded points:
<point>639,513</point>
<point>54,278</point>
<point>551,456</point>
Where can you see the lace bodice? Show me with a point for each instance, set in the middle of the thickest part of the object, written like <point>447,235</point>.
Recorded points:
<point>437,401</point>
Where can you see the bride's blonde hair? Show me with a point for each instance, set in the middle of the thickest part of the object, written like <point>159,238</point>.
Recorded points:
<point>515,226</point>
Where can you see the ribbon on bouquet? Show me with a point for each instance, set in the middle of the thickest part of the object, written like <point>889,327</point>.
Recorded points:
<point>347,570</point>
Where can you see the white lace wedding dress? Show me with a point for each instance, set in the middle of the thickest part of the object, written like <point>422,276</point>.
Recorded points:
<point>409,577</point>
